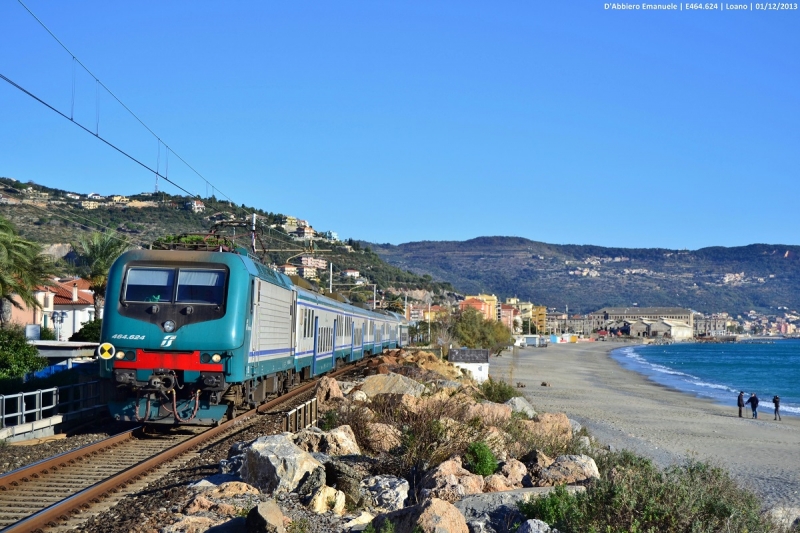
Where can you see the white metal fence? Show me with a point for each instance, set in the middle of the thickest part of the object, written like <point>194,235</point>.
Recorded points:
<point>72,402</point>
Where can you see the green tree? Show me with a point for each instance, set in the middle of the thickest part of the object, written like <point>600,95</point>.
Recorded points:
<point>96,254</point>
<point>472,330</point>
<point>90,332</point>
<point>17,355</point>
<point>23,267</point>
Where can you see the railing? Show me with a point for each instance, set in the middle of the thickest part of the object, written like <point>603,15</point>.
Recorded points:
<point>301,417</point>
<point>72,402</point>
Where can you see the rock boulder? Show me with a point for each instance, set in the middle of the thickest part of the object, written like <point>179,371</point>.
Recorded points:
<point>450,481</point>
<point>338,441</point>
<point>275,463</point>
<point>568,469</point>
<point>432,516</point>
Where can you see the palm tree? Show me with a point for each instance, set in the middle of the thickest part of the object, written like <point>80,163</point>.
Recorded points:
<point>96,254</point>
<point>23,267</point>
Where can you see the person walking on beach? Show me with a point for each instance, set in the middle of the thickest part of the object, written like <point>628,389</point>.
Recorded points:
<point>740,402</point>
<point>753,401</point>
<point>777,401</point>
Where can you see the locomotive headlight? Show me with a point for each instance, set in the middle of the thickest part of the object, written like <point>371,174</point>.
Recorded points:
<point>169,326</point>
<point>216,358</point>
<point>205,358</point>
<point>120,354</point>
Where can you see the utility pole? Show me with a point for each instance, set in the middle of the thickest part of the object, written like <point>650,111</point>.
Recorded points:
<point>330,279</point>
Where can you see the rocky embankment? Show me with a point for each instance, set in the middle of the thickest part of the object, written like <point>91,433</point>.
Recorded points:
<point>398,453</point>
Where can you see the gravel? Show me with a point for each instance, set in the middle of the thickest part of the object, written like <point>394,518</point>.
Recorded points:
<point>14,456</point>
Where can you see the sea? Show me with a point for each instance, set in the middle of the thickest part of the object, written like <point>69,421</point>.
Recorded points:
<point>719,371</point>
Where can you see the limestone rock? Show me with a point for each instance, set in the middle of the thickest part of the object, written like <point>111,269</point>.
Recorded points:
<point>550,425</point>
<point>568,469</point>
<point>785,517</point>
<point>328,389</point>
<point>515,471</point>
<point>450,481</point>
<point>575,425</point>
<point>346,386</point>
<point>500,509</point>
<point>519,404</point>
<point>388,493</point>
<point>328,499</point>
<point>312,482</point>
<point>382,437</point>
<point>432,516</point>
<point>496,483</point>
<point>346,477</point>
<point>362,519</point>
<point>191,524</point>
<point>266,517</point>
<point>275,463</point>
<point>198,504</point>
<point>391,383</point>
<point>231,489</point>
<point>490,413</point>
<point>359,396</point>
<point>338,441</point>
<point>534,526</point>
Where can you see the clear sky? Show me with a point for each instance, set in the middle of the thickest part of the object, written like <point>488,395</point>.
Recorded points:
<point>563,122</point>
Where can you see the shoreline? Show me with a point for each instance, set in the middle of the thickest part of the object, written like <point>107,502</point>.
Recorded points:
<point>626,410</point>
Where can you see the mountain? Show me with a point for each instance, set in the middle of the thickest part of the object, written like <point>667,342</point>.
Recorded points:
<point>587,278</point>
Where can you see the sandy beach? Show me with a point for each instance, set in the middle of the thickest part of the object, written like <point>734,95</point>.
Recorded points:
<point>625,410</point>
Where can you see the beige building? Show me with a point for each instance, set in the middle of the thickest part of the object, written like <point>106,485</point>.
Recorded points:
<point>89,204</point>
<point>600,319</point>
<point>492,303</point>
<point>535,314</point>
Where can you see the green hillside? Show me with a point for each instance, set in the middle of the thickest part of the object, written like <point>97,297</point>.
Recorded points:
<point>586,278</point>
<point>53,216</point>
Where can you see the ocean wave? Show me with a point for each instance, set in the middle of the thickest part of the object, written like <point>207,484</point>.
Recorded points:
<point>713,386</point>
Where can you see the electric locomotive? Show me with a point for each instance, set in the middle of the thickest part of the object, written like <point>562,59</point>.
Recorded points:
<point>189,336</point>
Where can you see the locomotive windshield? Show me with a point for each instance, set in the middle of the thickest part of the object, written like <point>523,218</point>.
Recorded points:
<point>149,285</point>
<point>201,286</point>
<point>158,285</point>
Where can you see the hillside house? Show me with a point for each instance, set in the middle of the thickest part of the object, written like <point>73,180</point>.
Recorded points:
<point>195,206</point>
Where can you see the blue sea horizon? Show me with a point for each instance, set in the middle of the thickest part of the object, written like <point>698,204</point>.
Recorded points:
<point>719,371</point>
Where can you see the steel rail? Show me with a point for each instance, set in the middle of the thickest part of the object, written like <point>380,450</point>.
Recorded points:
<point>22,474</point>
<point>48,517</point>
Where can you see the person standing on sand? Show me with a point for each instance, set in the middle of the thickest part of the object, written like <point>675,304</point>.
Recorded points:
<point>740,402</point>
<point>753,401</point>
<point>777,401</point>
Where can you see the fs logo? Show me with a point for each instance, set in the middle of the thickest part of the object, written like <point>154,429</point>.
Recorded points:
<point>168,339</point>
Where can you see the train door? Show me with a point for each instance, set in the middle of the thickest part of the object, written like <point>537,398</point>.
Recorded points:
<point>335,332</point>
<point>316,347</point>
<point>293,314</point>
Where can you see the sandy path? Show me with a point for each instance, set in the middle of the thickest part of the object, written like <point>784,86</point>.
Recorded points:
<point>626,410</point>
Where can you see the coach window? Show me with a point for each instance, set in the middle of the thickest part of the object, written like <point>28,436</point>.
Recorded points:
<point>149,285</point>
<point>201,286</point>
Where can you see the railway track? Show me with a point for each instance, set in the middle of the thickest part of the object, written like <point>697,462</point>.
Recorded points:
<point>49,495</point>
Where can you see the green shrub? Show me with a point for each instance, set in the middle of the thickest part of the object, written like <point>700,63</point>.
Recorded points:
<point>479,459</point>
<point>90,332</point>
<point>17,356</point>
<point>47,334</point>
<point>498,391</point>
<point>633,495</point>
<point>329,420</point>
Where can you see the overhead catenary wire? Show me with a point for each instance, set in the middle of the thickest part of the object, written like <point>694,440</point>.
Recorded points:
<point>99,84</point>
<point>87,130</point>
<point>113,233</point>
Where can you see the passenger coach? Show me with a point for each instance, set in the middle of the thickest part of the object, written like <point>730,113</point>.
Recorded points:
<point>189,336</point>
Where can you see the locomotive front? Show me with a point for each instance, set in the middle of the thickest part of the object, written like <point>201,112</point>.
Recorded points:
<point>173,331</point>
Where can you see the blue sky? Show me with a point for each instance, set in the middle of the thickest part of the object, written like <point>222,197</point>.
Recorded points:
<point>561,122</point>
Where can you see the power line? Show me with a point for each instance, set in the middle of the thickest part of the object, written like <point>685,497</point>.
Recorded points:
<point>109,231</point>
<point>120,102</point>
<point>84,128</point>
